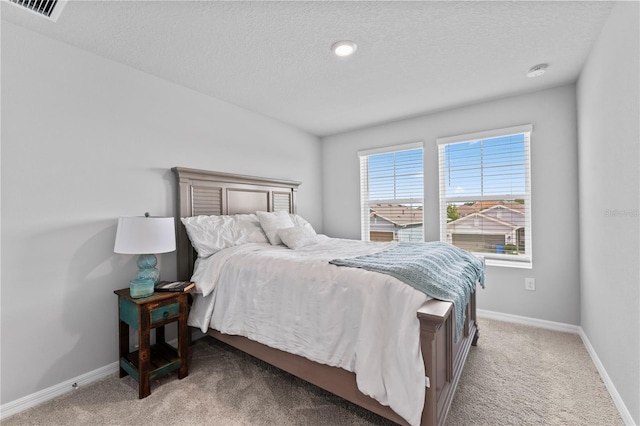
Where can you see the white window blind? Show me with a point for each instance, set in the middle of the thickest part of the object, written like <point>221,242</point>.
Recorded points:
<point>391,193</point>
<point>485,193</point>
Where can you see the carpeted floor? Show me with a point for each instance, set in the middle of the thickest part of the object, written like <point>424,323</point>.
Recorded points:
<point>517,375</point>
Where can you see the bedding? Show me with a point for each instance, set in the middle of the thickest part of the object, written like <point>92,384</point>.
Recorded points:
<point>209,234</point>
<point>294,300</point>
<point>271,222</point>
<point>438,269</point>
<point>300,222</point>
<point>296,237</point>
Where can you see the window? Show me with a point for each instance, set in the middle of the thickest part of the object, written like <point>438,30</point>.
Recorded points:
<point>485,194</point>
<point>391,193</point>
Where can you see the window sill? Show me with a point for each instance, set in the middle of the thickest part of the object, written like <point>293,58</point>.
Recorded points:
<point>508,264</point>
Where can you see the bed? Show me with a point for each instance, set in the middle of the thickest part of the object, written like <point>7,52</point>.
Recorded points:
<point>213,193</point>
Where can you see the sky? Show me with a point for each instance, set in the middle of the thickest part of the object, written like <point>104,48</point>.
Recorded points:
<point>486,167</point>
<point>404,168</point>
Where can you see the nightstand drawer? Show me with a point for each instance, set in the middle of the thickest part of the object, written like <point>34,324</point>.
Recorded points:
<point>129,313</point>
<point>165,312</point>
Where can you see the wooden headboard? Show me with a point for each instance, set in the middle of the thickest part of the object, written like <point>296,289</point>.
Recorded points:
<point>204,192</point>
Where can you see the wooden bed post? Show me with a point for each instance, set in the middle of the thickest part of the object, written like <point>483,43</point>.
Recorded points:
<point>436,343</point>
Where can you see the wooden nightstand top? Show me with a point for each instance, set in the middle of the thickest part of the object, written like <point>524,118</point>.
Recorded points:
<point>158,296</point>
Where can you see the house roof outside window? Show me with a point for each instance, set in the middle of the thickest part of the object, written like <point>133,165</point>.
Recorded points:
<point>397,214</point>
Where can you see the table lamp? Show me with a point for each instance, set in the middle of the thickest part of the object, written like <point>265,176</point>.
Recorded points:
<point>145,236</point>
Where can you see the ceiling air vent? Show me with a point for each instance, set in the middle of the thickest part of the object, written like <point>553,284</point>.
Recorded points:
<point>49,9</point>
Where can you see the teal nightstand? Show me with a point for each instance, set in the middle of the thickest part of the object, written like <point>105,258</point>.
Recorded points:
<point>151,361</point>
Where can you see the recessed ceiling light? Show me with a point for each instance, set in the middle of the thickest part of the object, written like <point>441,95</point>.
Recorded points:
<point>537,70</point>
<point>343,48</point>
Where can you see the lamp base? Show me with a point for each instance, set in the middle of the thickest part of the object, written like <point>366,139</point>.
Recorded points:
<point>139,288</point>
<point>147,264</point>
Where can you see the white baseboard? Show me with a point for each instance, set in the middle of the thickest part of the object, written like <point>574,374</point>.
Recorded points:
<point>617,400</point>
<point>37,398</point>
<point>534,322</point>
<point>569,328</point>
<point>29,401</point>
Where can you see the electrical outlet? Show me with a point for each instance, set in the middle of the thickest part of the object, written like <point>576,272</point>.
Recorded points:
<point>530,284</point>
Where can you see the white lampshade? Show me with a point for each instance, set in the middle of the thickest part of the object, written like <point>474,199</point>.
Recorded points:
<point>145,235</point>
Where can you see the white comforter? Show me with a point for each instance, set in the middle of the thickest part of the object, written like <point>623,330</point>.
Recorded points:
<point>294,300</point>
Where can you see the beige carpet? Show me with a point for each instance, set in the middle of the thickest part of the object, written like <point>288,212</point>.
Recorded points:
<point>517,375</point>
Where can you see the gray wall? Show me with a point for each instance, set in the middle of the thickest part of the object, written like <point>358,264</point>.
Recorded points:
<point>554,192</point>
<point>85,140</point>
<point>609,140</point>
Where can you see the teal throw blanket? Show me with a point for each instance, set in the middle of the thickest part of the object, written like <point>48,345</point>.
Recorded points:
<point>437,269</point>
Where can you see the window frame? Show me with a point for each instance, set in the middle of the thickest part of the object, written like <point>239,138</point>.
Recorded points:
<point>505,260</point>
<point>363,157</point>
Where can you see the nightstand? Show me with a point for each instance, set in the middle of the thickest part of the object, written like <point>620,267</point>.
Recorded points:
<point>151,361</point>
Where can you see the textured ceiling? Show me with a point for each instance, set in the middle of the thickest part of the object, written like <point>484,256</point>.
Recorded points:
<point>274,58</point>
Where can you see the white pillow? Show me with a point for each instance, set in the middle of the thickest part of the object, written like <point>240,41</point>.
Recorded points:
<point>301,222</point>
<point>209,234</point>
<point>271,222</point>
<point>297,236</point>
